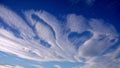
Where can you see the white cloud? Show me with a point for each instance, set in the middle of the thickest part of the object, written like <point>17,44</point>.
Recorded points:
<point>16,22</point>
<point>57,66</point>
<point>92,37</point>
<point>102,62</point>
<point>10,66</point>
<point>29,47</point>
<point>77,23</point>
<point>37,66</point>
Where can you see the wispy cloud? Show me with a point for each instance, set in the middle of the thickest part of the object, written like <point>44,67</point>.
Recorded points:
<point>10,66</point>
<point>37,66</point>
<point>57,66</point>
<point>103,62</point>
<point>45,38</point>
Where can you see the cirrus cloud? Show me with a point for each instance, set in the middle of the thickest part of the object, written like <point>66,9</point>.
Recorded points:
<point>9,66</point>
<point>44,38</point>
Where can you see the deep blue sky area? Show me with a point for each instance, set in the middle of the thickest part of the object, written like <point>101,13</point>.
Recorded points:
<point>106,9</point>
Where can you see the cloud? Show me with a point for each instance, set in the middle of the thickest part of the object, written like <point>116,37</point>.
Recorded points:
<point>37,66</point>
<point>103,62</point>
<point>15,22</point>
<point>44,38</point>
<point>9,66</point>
<point>57,66</point>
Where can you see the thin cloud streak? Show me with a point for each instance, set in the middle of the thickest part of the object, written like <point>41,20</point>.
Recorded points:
<point>10,66</point>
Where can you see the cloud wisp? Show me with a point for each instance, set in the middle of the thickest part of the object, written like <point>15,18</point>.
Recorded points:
<point>44,38</point>
<point>10,66</point>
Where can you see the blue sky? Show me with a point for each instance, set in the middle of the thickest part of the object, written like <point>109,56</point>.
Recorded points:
<point>59,34</point>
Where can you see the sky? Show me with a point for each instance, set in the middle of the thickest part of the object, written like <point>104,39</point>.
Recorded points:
<point>59,34</point>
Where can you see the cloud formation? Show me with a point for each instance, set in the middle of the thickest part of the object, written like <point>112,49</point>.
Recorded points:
<point>57,66</point>
<point>9,66</point>
<point>44,38</point>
